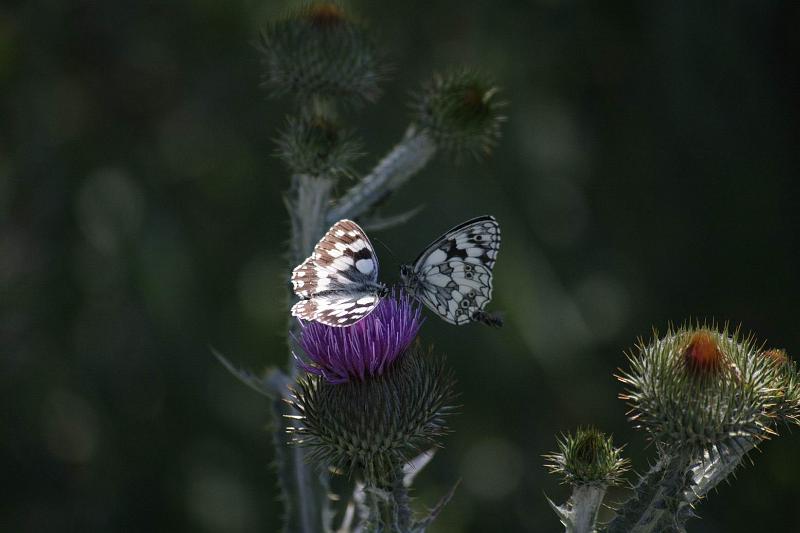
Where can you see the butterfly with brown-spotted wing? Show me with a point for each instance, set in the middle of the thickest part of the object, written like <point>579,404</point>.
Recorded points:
<point>338,283</point>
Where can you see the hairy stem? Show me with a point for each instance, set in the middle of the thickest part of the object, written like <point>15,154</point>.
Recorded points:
<point>304,491</point>
<point>584,505</point>
<point>579,514</point>
<point>657,497</point>
<point>404,160</point>
<point>709,472</point>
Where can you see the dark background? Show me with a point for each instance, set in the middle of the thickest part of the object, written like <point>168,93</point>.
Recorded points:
<point>647,174</point>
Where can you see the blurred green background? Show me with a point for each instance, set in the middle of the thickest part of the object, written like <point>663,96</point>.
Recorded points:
<point>648,173</point>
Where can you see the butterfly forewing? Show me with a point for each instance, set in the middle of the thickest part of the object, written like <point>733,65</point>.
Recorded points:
<point>454,274</point>
<point>475,241</point>
<point>338,282</point>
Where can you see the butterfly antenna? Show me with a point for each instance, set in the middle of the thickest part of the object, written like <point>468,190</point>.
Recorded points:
<point>385,246</point>
<point>397,259</point>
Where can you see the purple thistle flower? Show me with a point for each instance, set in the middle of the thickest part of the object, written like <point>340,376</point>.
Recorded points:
<point>367,348</point>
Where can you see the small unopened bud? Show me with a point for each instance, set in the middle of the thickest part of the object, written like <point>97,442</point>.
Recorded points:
<point>316,144</point>
<point>319,51</point>
<point>461,112</point>
<point>778,356</point>
<point>787,383</point>
<point>587,458</point>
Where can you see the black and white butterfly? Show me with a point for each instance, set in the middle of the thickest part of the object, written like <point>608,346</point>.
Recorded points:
<point>338,283</point>
<point>453,275</point>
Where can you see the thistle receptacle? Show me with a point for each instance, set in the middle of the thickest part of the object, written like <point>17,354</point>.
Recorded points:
<point>370,401</point>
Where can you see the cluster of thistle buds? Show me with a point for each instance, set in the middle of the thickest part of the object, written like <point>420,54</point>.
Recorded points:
<point>705,396</point>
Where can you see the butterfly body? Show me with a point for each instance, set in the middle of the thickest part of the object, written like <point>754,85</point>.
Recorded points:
<point>338,283</point>
<point>453,275</point>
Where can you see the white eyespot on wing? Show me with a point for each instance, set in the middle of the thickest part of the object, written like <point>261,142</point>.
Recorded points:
<point>365,266</point>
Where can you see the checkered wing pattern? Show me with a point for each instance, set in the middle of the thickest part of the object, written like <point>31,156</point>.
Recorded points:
<point>338,283</point>
<point>453,275</point>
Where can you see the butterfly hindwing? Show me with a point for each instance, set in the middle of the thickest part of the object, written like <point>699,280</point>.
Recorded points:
<point>338,282</point>
<point>456,289</point>
<point>336,310</point>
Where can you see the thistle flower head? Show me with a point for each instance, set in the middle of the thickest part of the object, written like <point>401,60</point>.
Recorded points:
<point>367,348</point>
<point>314,143</point>
<point>371,428</point>
<point>461,112</point>
<point>587,458</point>
<point>699,388</point>
<point>320,51</point>
<point>787,383</point>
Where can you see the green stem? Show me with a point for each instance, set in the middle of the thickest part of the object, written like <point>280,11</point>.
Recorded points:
<point>584,504</point>
<point>304,491</point>
<point>657,497</point>
<point>404,160</point>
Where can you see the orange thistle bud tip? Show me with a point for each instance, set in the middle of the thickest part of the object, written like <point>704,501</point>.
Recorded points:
<point>702,353</point>
<point>777,355</point>
<point>325,14</point>
<point>473,97</point>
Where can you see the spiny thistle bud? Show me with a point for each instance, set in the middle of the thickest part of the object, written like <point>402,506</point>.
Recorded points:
<point>587,458</point>
<point>699,388</point>
<point>367,348</point>
<point>319,51</point>
<point>315,144</point>
<point>787,409</point>
<point>371,428</point>
<point>461,112</point>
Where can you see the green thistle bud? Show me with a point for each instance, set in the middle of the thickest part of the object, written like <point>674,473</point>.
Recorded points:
<point>699,389</point>
<point>460,111</point>
<point>315,144</point>
<point>318,51</point>
<point>787,409</point>
<point>587,458</point>
<point>371,428</point>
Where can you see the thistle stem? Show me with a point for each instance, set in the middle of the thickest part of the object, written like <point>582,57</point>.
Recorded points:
<point>656,497</point>
<point>407,158</point>
<point>708,474</point>
<point>584,504</point>
<point>308,201</point>
<point>304,492</point>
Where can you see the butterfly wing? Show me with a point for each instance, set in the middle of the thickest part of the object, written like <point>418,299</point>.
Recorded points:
<point>342,260</point>
<point>454,273</point>
<point>338,281</point>
<point>335,309</point>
